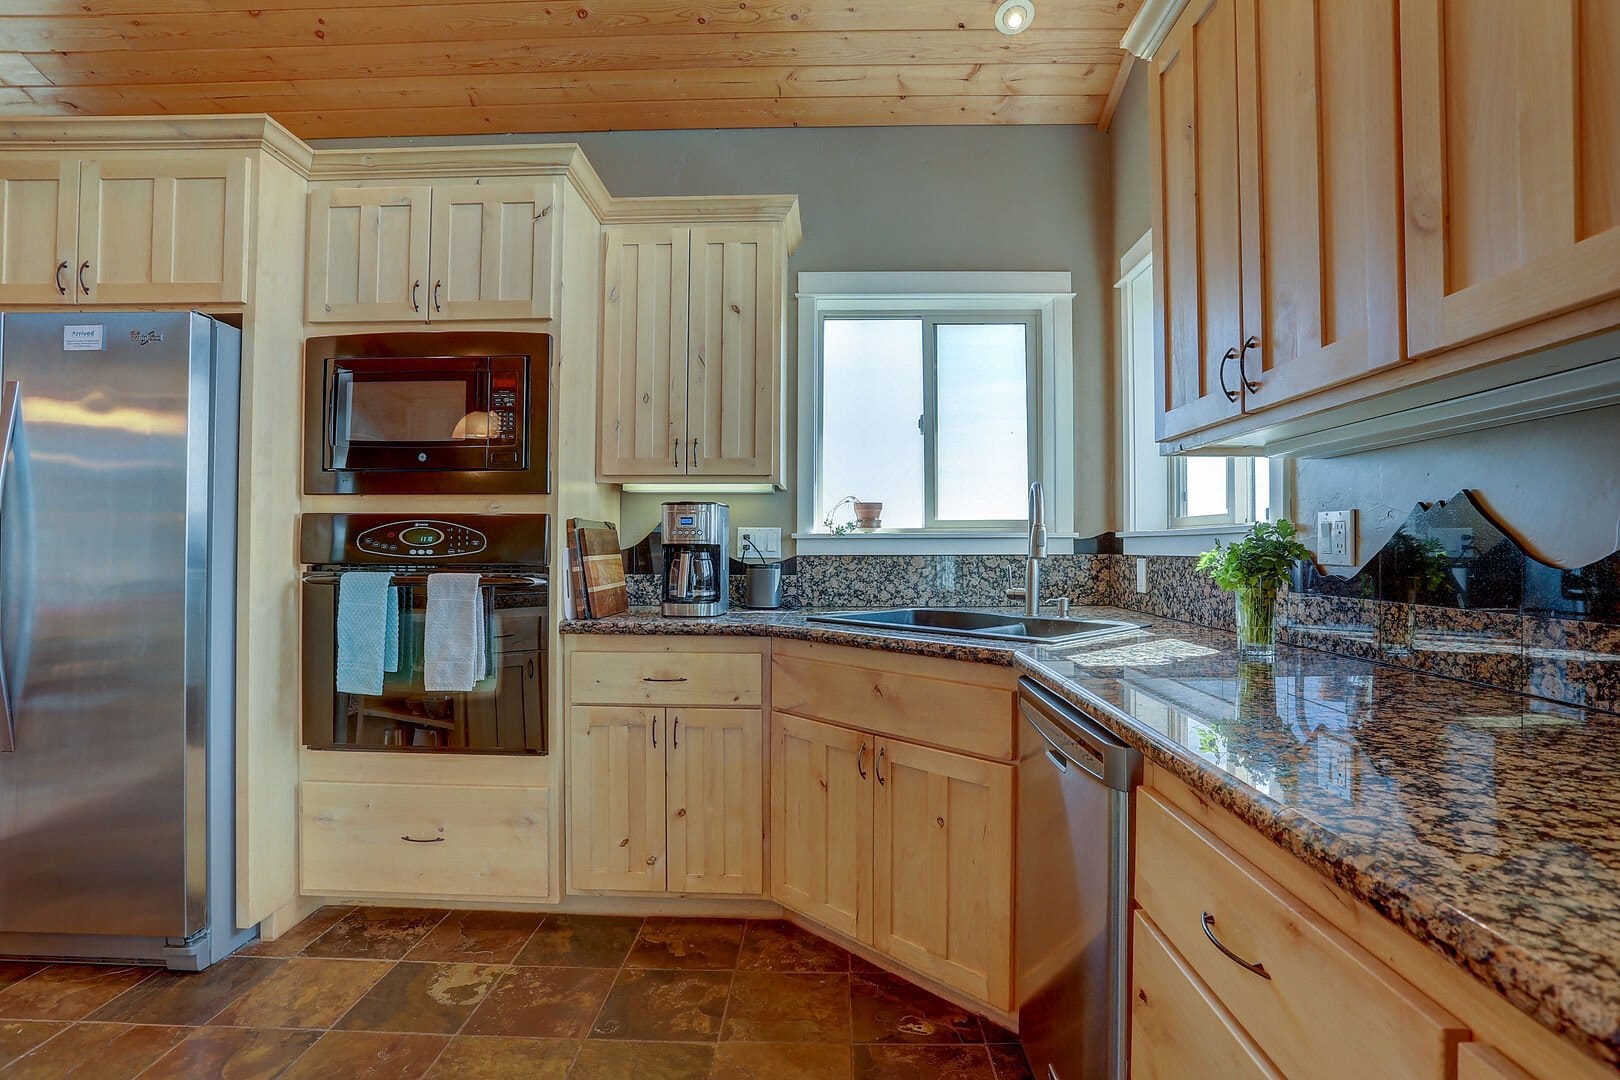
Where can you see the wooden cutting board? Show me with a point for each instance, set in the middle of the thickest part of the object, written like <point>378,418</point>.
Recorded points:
<point>598,569</point>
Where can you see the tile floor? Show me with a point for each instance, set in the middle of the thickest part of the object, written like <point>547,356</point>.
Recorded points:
<point>374,993</point>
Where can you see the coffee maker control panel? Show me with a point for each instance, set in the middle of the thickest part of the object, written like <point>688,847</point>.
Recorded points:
<point>692,524</point>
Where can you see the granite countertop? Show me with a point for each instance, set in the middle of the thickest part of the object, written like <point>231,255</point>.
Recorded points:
<point>1485,823</point>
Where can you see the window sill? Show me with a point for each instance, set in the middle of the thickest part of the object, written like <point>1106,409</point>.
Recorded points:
<point>927,542</point>
<point>1191,541</point>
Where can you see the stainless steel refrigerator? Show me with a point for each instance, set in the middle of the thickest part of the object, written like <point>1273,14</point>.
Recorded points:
<point>117,609</point>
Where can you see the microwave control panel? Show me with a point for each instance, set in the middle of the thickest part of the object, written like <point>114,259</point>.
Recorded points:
<point>415,538</point>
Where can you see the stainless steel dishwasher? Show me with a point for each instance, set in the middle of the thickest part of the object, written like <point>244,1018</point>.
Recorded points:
<point>1076,782</point>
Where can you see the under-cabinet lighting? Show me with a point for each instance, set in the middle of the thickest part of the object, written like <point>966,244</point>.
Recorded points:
<point>689,489</point>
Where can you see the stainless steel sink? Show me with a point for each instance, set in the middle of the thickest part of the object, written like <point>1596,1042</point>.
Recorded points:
<point>961,623</point>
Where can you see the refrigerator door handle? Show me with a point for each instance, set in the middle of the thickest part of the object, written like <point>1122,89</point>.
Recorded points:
<point>10,414</point>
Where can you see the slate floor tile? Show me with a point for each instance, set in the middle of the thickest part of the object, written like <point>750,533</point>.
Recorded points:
<point>431,999</point>
<point>664,1006</point>
<point>581,941</point>
<point>553,1003</point>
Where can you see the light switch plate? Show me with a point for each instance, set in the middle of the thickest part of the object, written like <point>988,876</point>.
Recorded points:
<point>1336,537</point>
<point>767,541</point>
<point>1141,575</point>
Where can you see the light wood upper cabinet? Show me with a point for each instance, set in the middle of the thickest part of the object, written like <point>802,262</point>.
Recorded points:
<point>642,428</point>
<point>1193,106</point>
<point>734,373</point>
<point>494,251</point>
<point>39,227</point>
<point>1510,117</point>
<point>821,822</point>
<point>1319,150</point>
<point>942,891</point>
<point>124,229</point>
<point>692,350</point>
<point>616,799</point>
<point>368,254</point>
<point>715,806</point>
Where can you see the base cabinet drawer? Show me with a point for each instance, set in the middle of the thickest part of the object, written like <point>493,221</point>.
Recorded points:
<point>1178,1027</point>
<point>424,840</point>
<point>1481,1061</point>
<point>1307,995</point>
<point>666,678</point>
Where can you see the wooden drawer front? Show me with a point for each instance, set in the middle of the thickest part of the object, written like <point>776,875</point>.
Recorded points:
<point>666,678</point>
<point>1481,1061</point>
<point>1178,1027</point>
<point>481,842</point>
<point>972,718</point>
<point>1324,995</point>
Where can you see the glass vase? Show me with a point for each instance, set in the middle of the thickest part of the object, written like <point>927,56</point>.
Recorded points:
<point>1257,623</point>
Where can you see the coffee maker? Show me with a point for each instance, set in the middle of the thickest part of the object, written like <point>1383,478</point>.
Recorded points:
<point>697,579</point>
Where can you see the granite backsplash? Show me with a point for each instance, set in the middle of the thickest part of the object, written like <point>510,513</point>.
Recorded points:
<point>1575,660</point>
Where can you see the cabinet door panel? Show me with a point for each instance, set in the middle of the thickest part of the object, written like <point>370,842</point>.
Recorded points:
<point>368,254</point>
<point>821,823</point>
<point>494,251</point>
<point>1511,134</point>
<point>616,799</point>
<point>733,380</point>
<point>1194,120</point>
<point>163,230</point>
<point>39,224</point>
<point>943,887</point>
<point>1319,133</point>
<point>715,813</point>
<point>644,331</point>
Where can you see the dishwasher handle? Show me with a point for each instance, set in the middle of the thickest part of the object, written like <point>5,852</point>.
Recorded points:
<point>1078,739</point>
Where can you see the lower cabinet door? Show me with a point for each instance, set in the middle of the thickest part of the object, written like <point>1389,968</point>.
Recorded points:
<point>821,823</point>
<point>424,840</point>
<point>616,799</point>
<point>716,801</point>
<point>1178,1027</point>
<point>942,893</point>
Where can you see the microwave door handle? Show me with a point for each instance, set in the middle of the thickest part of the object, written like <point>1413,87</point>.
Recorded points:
<point>10,419</point>
<point>337,437</point>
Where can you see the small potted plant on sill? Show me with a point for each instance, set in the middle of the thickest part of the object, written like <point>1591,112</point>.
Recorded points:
<point>868,516</point>
<point>1253,569</point>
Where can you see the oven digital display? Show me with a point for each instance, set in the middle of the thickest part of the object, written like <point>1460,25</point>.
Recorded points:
<point>420,537</point>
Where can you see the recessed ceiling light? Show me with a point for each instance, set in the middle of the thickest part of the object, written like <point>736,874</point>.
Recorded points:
<point>1014,16</point>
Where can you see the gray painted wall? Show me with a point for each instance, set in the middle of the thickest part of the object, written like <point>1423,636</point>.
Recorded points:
<point>933,198</point>
<point>1553,483</point>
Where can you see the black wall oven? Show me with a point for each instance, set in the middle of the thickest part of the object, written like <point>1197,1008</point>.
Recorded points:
<point>427,413</point>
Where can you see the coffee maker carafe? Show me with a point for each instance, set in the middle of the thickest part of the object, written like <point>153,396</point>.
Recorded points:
<point>697,579</point>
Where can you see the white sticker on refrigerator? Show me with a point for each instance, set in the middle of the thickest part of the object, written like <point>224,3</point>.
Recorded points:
<point>83,338</point>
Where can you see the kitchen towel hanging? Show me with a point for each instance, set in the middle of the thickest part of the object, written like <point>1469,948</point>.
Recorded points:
<point>454,649</point>
<point>368,631</point>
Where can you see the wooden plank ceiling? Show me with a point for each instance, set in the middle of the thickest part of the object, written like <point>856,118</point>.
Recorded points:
<point>334,68</point>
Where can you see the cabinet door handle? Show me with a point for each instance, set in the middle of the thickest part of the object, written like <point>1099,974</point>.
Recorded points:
<point>878,768</point>
<point>1227,357</point>
<point>1209,931</point>
<point>675,735</point>
<point>655,732</point>
<point>697,461</point>
<point>1243,365</point>
<point>860,755</point>
<point>677,453</point>
<point>416,287</point>
<point>414,840</point>
<point>82,268</point>
<point>61,266</point>
<point>436,286</point>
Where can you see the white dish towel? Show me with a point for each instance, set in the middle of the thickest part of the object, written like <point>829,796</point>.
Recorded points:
<point>453,638</point>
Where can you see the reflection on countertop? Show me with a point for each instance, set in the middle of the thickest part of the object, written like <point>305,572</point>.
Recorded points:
<point>1485,823</point>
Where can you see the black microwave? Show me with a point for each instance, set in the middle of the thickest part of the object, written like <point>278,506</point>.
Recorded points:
<point>427,413</point>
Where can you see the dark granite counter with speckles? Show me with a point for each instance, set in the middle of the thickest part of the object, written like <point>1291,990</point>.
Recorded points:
<point>1483,822</point>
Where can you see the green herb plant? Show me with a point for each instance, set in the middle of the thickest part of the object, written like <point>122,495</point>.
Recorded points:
<point>1254,568</point>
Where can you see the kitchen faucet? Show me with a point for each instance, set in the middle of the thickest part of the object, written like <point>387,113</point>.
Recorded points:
<point>1037,552</point>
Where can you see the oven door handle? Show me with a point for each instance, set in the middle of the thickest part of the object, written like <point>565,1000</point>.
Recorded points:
<point>532,581</point>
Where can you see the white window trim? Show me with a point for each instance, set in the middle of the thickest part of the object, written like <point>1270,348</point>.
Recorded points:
<point>1048,295</point>
<point>1192,538</point>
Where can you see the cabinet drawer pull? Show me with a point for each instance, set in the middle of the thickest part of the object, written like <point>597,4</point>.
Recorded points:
<point>415,840</point>
<point>1227,357</point>
<point>657,678</point>
<point>1243,365</point>
<point>61,288</point>
<point>1209,931</point>
<point>82,268</point>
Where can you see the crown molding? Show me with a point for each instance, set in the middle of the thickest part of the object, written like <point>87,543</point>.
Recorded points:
<point>248,131</point>
<point>1151,26</point>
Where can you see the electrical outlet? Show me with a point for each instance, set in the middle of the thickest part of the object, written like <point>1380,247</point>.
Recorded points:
<point>767,543</point>
<point>1141,575</point>
<point>1336,537</point>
